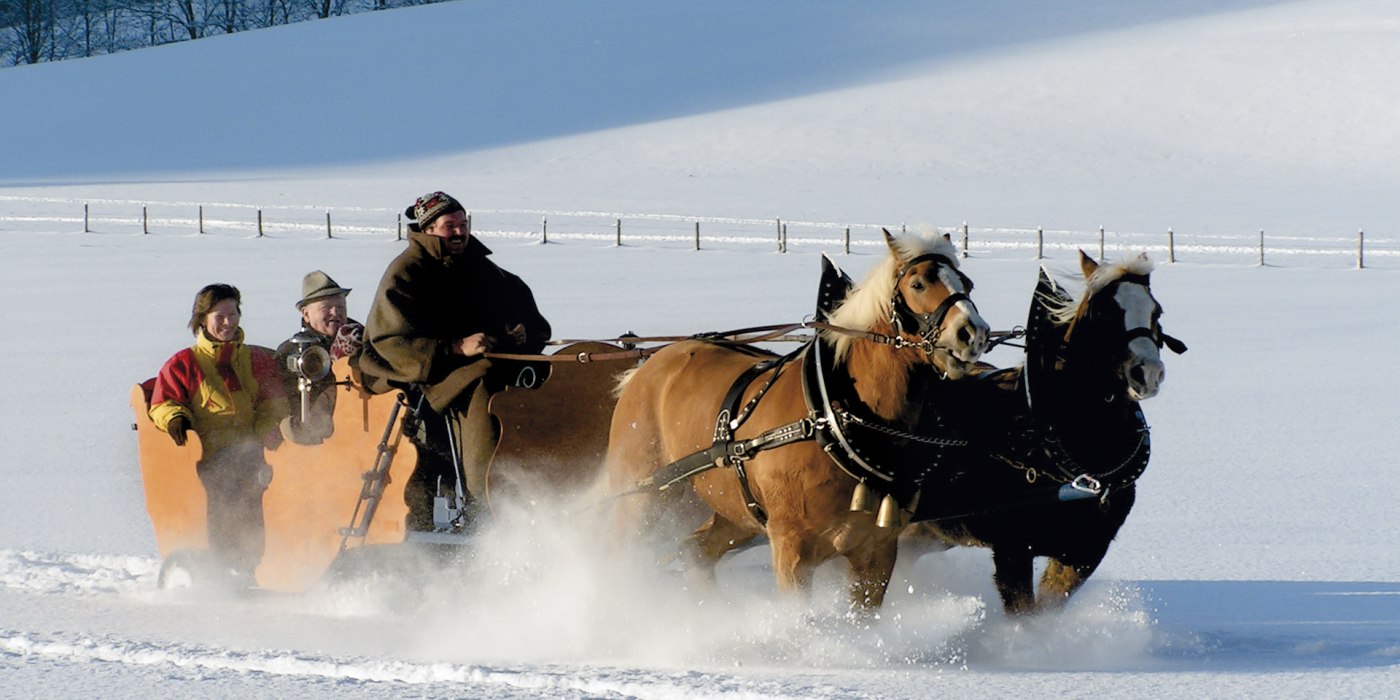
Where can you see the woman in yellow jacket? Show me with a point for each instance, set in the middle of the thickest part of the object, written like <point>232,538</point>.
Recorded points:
<point>232,395</point>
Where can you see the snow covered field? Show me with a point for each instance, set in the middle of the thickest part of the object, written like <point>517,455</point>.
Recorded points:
<point>1261,558</point>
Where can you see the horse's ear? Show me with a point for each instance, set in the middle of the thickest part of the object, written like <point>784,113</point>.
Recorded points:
<point>948,238</point>
<point>1087,264</point>
<point>889,241</point>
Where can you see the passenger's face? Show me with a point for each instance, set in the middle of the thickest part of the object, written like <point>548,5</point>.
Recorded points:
<point>222,322</point>
<point>325,315</point>
<point>453,230</point>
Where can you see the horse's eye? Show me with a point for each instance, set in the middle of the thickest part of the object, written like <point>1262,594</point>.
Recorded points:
<point>917,285</point>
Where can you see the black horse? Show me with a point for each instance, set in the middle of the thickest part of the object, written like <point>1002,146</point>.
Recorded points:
<point>1055,446</point>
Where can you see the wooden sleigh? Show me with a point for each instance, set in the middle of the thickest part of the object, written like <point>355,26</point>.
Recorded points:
<point>347,493</point>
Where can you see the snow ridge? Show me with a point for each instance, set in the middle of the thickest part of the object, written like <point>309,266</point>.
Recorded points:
<point>75,574</point>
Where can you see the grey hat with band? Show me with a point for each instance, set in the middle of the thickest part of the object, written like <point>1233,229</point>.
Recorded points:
<point>318,285</point>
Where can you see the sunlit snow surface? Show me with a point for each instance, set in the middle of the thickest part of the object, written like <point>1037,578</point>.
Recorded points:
<point>1258,562</point>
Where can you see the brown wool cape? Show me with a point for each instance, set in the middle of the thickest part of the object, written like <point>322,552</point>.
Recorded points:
<point>426,300</point>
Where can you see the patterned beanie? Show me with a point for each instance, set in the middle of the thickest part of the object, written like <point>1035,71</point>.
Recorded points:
<point>429,207</point>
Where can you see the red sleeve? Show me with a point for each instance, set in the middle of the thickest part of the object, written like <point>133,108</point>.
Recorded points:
<point>266,374</point>
<point>178,379</point>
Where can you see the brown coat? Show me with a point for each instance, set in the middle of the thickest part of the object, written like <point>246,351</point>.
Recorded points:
<point>427,299</point>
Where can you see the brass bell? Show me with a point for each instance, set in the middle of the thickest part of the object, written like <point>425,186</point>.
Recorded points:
<point>862,499</point>
<point>889,513</point>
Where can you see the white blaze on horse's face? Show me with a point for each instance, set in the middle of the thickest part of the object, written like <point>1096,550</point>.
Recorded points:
<point>964,332</point>
<point>1143,369</point>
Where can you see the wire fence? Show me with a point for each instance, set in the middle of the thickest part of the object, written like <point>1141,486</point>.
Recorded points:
<point>1359,249</point>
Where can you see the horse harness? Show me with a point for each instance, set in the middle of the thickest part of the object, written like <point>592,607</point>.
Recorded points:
<point>1039,441</point>
<point>827,421</point>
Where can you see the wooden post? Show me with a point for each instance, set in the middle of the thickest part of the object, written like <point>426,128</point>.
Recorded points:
<point>260,229</point>
<point>779,228</point>
<point>1360,249</point>
<point>697,235</point>
<point>85,220</point>
<point>145,222</point>
<point>964,250</point>
<point>328,225</point>
<point>1039,243</point>
<point>783,245</point>
<point>201,218</point>
<point>1100,242</point>
<point>848,240</point>
<point>1261,247</point>
<point>544,229</point>
<point>399,236</point>
<point>619,232</point>
<point>1171,246</point>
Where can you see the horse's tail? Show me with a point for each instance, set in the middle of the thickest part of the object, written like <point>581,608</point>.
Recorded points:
<point>623,379</point>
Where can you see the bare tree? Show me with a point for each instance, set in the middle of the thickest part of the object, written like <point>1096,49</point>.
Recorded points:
<point>32,29</point>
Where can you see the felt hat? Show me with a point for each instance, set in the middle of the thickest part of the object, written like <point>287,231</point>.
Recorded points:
<point>318,285</point>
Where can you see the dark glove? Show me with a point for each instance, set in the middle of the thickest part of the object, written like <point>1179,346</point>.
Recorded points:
<point>177,429</point>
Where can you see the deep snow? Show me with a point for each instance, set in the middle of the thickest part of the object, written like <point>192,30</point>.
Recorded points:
<point>1259,561</point>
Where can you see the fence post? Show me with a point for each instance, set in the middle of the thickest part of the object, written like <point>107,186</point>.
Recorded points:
<point>260,229</point>
<point>201,218</point>
<point>778,227</point>
<point>1360,249</point>
<point>1171,245</point>
<point>848,240</point>
<point>697,235</point>
<point>964,250</point>
<point>328,225</point>
<point>85,220</point>
<point>398,236</point>
<point>619,232</point>
<point>1261,247</point>
<point>784,243</point>
<point>544,229</point>
<point>1100,242</point>
<point>1039,243</point>
<point>145,222</point>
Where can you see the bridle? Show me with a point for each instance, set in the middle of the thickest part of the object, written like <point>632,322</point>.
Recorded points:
<point>926,327</point>
<point>1152,332</point>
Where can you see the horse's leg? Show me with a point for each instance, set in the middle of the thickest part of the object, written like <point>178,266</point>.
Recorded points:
<point>708,544</point>
<point>793,563</point>
<point>1014,572</point>
<point>1061,580</point>
<point>871,566</point>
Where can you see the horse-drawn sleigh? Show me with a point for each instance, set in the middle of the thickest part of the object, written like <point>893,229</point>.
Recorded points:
<point>882,423</point>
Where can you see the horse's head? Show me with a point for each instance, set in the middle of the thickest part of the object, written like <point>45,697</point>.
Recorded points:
<point>921,297</point>
<point>1118,324</point>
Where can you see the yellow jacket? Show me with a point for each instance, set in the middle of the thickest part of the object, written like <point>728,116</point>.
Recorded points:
<point>229,392</point>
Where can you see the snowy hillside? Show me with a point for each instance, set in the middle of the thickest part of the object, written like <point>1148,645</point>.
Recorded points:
<point>1193,115</point>
<point>1260,559</point>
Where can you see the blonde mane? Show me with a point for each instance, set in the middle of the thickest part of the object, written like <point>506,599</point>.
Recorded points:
<point>1062,311</point>
<point>870,302</point>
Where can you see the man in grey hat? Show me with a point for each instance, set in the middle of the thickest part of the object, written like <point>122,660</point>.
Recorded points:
<point>325,324</point>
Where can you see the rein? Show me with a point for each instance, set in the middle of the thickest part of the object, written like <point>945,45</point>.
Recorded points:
<point>780,332</point>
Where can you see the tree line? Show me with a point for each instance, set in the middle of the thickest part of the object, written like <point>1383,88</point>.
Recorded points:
<point>32,31</point>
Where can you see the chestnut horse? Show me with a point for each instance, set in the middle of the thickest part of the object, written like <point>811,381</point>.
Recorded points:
<point>738,426</point>
<point>1056,445</point>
